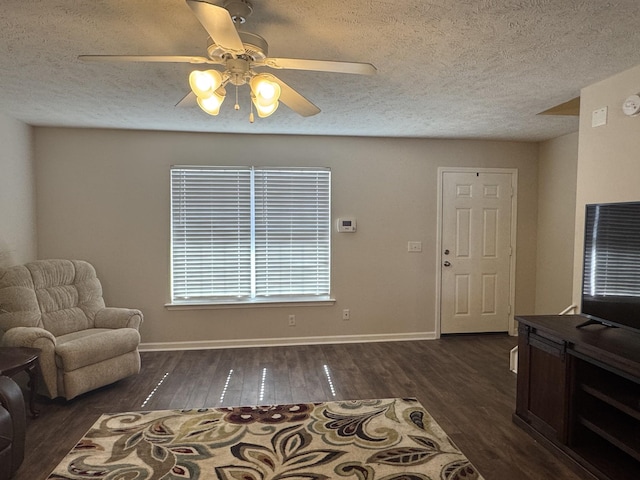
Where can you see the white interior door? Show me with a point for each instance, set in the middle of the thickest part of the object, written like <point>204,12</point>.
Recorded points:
<point>475,288</point>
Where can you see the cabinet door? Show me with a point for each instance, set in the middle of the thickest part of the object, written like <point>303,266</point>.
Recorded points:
<point>543,383</point>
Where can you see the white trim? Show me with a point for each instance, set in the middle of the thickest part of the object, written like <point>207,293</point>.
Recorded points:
<point>297,302</point>
<point>438,265</point>
<point>573,308</point>
<point>513,327</point>
<point>513,359</point>
<point>514,224</point>
<point>279,342</point>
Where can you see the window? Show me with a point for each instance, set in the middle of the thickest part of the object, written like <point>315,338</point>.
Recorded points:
<point>250,234</point>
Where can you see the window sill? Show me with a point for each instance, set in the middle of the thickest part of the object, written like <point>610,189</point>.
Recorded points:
<point>293,302</point>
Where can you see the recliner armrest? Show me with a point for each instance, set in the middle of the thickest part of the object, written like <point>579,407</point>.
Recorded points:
<point>113,317</point>
<point>34,337</point>
<point>12,400</point>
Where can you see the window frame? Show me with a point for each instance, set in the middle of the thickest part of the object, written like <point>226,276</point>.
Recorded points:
<point>228,301</point>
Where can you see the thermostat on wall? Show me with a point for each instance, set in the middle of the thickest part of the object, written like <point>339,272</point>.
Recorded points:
<point>347,224</point>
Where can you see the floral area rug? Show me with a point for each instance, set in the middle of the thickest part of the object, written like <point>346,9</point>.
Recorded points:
<point>387,439</point>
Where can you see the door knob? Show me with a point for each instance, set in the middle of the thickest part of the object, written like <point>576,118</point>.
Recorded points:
<point>447,263</point>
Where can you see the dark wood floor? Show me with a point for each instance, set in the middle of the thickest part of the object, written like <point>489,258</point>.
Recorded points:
<point>464,382</point>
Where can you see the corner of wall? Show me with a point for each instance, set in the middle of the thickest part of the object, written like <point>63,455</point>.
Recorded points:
<point>18,241</point>
<point>557,177</point>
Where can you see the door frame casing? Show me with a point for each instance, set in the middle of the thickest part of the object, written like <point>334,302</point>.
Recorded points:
<point>514,222</point>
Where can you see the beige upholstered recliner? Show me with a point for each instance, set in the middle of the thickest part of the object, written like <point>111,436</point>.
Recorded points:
<point>57,306</point>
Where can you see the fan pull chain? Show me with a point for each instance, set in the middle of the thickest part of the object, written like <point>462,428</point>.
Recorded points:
<point>236,106</point>
<point>251,118</point>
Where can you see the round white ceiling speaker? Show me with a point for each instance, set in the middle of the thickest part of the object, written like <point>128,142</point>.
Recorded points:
<point>631,105</point>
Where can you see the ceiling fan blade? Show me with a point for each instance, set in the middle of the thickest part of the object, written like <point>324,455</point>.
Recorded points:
<point>321,65</point>
<point>219,25</point>
<point>189,100</point>
<point>147,58</point>
<point>294,100</point>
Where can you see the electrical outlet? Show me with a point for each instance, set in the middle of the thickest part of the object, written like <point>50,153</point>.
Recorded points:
<point>346,314</point>
<point>292,320</point>
<point>414,246</point>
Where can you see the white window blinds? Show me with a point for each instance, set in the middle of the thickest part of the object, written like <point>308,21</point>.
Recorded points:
<point>211,233</point>
<point>250,234</point>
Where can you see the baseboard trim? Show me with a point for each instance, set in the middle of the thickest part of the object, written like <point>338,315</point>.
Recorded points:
<point>280,342</point>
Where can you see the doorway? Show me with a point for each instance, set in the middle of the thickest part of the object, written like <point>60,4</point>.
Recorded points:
<point>476,250</point>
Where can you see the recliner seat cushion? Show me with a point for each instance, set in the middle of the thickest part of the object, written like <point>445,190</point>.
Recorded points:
<point>79,349</point>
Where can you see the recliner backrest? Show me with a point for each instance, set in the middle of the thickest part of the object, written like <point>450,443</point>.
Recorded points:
<point>18,302</point>
<point>61,296</point>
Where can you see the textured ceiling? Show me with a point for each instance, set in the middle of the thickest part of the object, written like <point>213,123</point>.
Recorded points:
<point>446,69</point>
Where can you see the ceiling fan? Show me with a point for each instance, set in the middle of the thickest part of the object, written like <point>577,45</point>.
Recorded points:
<point>239,53</point>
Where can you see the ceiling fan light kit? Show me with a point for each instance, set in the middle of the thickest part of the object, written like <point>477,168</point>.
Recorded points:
<point>265,110</point>
<point>265,94</point>
<point>239,53</point>
<point>205,83</point>
<point>212,104</point>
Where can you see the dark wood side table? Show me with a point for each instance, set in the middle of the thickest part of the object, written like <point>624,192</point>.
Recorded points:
<point>22,359</point>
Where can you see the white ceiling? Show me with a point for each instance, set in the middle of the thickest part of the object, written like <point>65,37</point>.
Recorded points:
<point>446,68</point>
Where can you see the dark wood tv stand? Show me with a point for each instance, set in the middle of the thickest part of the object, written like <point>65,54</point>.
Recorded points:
<point>579,392</point>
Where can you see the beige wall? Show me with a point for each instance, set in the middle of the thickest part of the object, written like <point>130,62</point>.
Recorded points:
<point>103,195</point>
<point>17,193</point>
<point>557,170</point>
<point>608,156</point>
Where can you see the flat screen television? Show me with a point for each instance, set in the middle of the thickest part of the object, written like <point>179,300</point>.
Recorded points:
<point>611,273</point>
